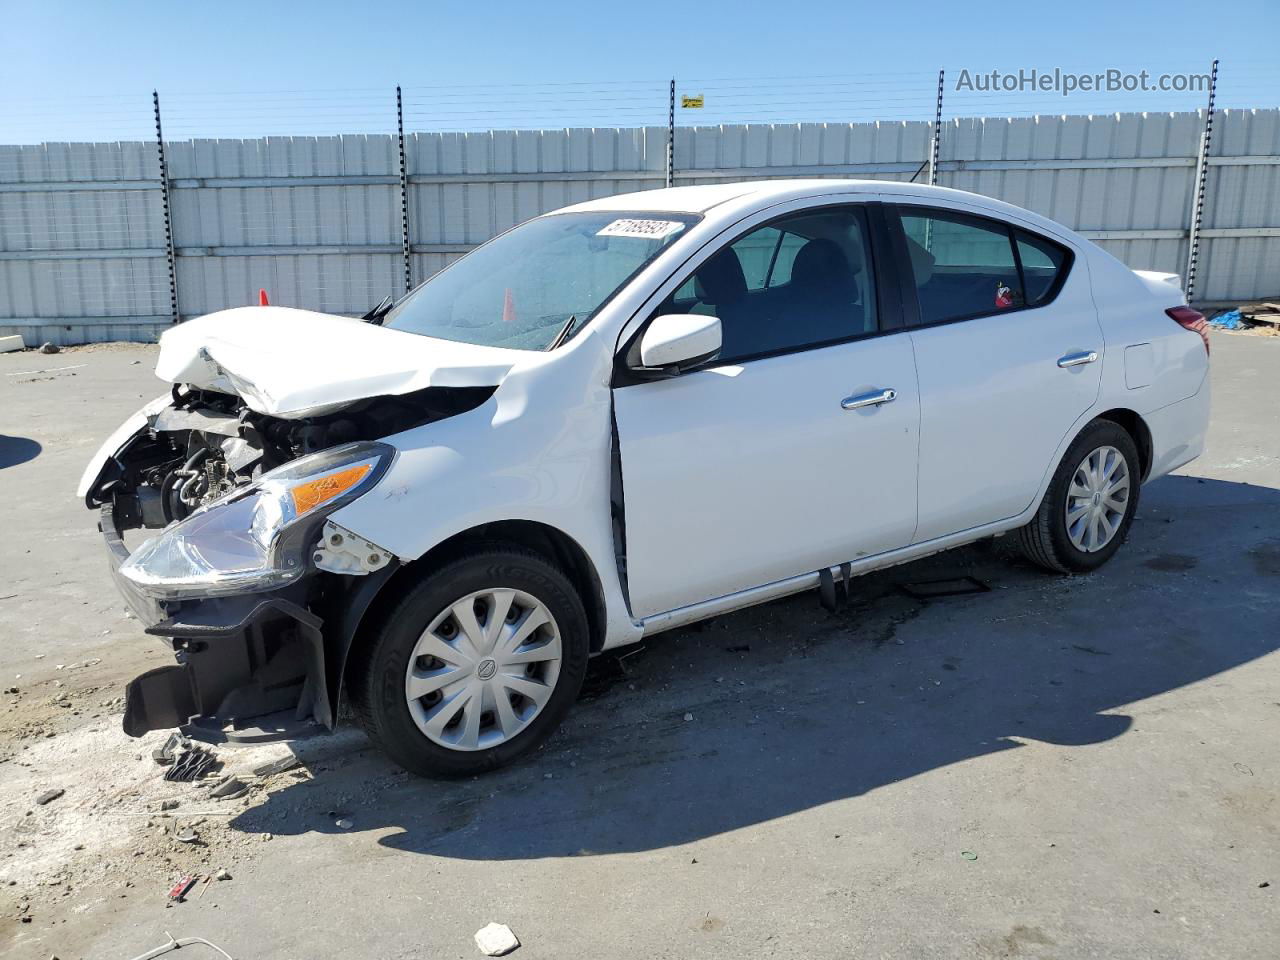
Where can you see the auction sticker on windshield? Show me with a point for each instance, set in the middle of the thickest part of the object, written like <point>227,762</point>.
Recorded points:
<point>652,229</point>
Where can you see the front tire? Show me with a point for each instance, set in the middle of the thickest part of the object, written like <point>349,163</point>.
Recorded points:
<point>1090,503</point>
<point>476,665</point>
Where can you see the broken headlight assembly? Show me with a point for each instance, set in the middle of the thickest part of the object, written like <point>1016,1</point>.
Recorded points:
<point>258,537</point>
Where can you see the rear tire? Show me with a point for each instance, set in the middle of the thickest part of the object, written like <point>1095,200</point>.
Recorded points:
<point>498,675</point>
<point>1090,503</point>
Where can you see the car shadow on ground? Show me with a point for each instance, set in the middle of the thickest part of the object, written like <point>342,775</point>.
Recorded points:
<point>16,450</point>
<point>779,709</point>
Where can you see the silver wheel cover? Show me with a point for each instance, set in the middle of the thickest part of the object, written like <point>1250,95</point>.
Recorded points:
<point>1097,499</point>
<point>483,669</point>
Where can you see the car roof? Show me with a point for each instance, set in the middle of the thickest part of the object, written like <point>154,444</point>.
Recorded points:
<point>741,197</point>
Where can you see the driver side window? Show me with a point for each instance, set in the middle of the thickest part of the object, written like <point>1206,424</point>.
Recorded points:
<point>798,282</point>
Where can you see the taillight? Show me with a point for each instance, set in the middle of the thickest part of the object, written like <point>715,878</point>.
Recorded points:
<point>1192,320</point>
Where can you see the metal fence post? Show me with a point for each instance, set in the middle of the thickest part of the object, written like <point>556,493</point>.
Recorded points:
<point>1202,177</point>
<point>168,215</point>
<point>937,135</point>
<point>671,135</point>
<point>406,252</point>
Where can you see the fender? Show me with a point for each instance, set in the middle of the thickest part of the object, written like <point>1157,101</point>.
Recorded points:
<point>537,451</point>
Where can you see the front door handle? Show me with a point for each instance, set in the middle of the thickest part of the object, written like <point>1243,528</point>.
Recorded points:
<point>873,399</point>
<point>1075,359</point>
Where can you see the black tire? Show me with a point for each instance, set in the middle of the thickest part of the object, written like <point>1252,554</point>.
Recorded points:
<point>1045,540</point>
<point>378,681</point>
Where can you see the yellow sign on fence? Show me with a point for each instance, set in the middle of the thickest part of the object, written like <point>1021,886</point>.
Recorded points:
<point>689,103</point>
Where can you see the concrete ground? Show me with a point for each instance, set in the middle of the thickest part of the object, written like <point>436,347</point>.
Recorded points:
<point>1059,767</point>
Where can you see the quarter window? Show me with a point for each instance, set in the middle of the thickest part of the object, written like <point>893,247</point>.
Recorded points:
<point>1042,264</point>
<point>800,281</point>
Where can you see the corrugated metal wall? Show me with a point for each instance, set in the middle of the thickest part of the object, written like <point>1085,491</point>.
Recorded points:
<point>316,220</point>
<point>81,242</point>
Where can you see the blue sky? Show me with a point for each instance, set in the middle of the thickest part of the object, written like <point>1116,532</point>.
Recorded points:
<point>81,70</point>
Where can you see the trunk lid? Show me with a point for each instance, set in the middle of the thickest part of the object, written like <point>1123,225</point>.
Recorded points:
<point>291,363</point>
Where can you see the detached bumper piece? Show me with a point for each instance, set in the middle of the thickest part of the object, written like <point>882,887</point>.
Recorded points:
<point>250,669</point>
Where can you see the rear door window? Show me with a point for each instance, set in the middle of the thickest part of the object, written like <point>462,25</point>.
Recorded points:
<point>962,266</point>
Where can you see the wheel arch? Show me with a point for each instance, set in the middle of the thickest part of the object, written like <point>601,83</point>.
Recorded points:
<point>544,539</point>
<point>1132,423</point>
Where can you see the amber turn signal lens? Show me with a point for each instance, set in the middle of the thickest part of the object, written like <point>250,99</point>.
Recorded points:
<point>307,496</point>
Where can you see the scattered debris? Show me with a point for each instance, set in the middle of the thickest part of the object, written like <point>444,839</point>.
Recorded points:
<point>50,348</point>
<point>738,648</point>
<point>192,764</point>
<point>968,855</point>
<point>1260,312</point>
<point>1243,768</point>
<point>168,805</point>
<point>229,789</point>
<point>276,766</point>
<point>1094,650</point>
<point>1230,320</point>
<point>186,835</point>
<point>180,889</point>
<point>223,874</point>
<point>342,823</point>
<point>688,717</point>
<point>49,796</point>
<point>165,753</point>
<point>496,940</point>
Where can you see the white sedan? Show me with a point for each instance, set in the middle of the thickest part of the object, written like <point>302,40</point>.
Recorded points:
<point>615,419</point>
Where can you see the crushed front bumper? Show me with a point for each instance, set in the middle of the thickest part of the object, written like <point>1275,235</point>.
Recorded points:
<point>253,668</point>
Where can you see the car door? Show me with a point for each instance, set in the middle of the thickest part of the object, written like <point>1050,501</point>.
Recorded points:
<point>1006,344</point>
<point>795,448</point>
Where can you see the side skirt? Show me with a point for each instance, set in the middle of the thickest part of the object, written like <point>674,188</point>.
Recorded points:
<point>694,612</point>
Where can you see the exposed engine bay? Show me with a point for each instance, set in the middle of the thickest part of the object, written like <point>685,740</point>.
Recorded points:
<point>206,443</point>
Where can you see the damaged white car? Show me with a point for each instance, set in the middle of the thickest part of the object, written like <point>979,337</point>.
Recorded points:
<point>613,420</point>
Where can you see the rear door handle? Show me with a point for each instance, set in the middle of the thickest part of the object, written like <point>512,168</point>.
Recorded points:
<point>1075,359</point>
<point>873,399</point>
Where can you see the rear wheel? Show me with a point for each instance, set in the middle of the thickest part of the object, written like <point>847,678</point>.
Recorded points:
<point>476,665</point>
<point>1090,503</point>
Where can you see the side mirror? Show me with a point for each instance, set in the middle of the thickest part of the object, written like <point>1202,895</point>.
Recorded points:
<point>675,341</point>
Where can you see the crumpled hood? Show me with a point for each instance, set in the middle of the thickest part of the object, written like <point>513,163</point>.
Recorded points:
<point>296,363</point>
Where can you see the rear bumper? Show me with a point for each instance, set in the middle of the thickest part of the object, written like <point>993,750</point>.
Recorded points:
<point>250,668</point>
<point>1178,432</point>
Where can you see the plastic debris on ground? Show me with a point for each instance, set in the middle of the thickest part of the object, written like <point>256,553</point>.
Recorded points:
<point>229,789</point>
<point>192,764</point>
<point>167,751</point>
<point>1231,320</point>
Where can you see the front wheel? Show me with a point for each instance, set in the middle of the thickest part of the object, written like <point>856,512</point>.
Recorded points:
<point>476,665</point>
<point>1090,503</point>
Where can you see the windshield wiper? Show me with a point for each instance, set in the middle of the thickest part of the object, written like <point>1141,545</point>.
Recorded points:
<point>379,313</point>
<point>563,334</point>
